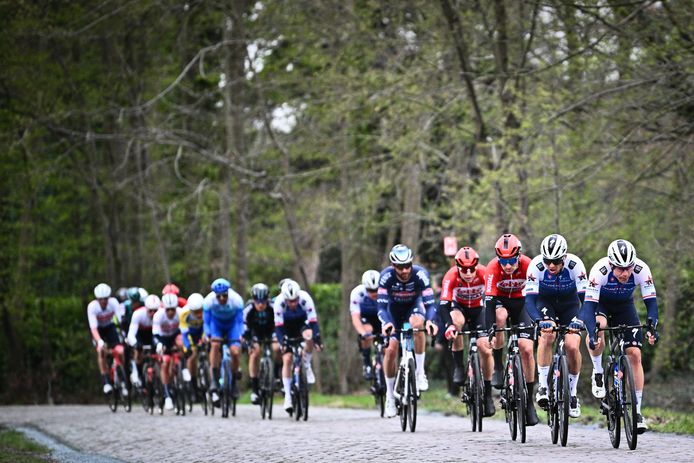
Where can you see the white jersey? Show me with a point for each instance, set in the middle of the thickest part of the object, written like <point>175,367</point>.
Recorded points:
<point>603,285</point>
<point>99,317</point>
<point>140,320</point>
<point>163,325</point>
<point>305,310</point>
<point>356,298</point>
<point>571,279</point>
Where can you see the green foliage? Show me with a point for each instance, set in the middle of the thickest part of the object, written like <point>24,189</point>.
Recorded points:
<point>15,447</point>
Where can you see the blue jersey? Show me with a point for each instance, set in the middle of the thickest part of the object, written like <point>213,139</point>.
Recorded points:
<point>395,295</point>
<point>572,280</point>
<point>361,303</point>
<point>230,313</point>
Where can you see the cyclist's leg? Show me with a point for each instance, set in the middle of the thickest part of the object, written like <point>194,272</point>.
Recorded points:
<point>519,316</point>
<point>572,341</point>
<point>233,335</point>
<point>633,341</point>
<point>216,337</point>
<point>366,343</point>
<point>458,319</point>
<point>253,358</point>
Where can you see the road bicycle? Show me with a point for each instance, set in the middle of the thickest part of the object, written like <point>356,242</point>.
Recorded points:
<point>514,393</point>
<point>378,379</point>
<point>558,392</point>
<point>619,403</point>
<point>299,385</point>
<point>152,392</point>
<point>266,380</point>
<point>121,393</point>
<point>202,378</point>
<point>228,383</point>
<point>180,390</point>
<point>473,388</point>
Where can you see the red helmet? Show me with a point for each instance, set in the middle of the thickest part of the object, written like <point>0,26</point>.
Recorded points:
<point>467,257</point>
<point>508,246</point>
<point>170,288</point>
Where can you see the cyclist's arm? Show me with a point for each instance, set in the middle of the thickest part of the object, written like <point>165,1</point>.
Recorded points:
<point>95,334</point>
<point>133,329</point>
<point>279,318</point>
<point>445,312</point>
<point>184,328</point>
<point>644,278</point>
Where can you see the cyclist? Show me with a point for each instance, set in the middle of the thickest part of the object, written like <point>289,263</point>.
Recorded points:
<point>404,295</point>
<point>172,288</point>
<point>222,322</point>
<point>611,284</point>
<point>462,302</point>
<point>134,301</point>
<point>554,290</point>
<point>506,275</point>
<point>100,313</point>
<point>140,333</point>
<point>364,312</point>
<point>166,335</point>
<point>260,326</point>
<point>122,294</point>
<point>190,324</point>
<point>295,316</point>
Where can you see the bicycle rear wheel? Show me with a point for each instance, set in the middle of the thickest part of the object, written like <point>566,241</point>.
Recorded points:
<point>629,403</point>
<point>412,397</point>
<point>563,398</point>
<point>477,388</point>
<point>521,393</point>
<point>613,405</point>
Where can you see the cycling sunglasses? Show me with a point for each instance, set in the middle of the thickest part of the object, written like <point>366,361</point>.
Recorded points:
<point>466,269</point>
<point>403,266</point>
<point>558,261</point>
<point>623,269</point>
<point>509,261</point>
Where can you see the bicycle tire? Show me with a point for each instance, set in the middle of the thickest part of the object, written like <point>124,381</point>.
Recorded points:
<point>412,397</point>
<point>262,380</point>
<point>563,398</point>
<point>148,372</point>
<point>478,390</point>
<point>296,402</point>
<point>614,411</point>
<point>203,383</point>
<point>126,401</point>
<point>158,389</point>
<point>112,397</point>
<point>552,403</point>
<point>403,402</point>
<point>629,403</point>
<point>509,396</point>
<point>180,392</point>
<point>521,392</point>
<point>467,396</point>
<point>304,395</point>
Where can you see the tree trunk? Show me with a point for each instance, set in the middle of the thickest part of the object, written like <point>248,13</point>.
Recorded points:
<point>412,205</point>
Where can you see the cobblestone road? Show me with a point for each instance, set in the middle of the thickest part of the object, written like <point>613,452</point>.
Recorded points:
<point>329,435</point>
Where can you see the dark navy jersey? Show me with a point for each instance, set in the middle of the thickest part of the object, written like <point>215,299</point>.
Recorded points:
<point>394,294</point>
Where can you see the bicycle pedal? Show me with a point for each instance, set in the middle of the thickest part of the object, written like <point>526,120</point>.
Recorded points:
<point>464,398</point>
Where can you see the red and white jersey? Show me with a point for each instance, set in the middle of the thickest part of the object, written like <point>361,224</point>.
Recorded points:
<point>99,317</point>
<point>455,289</point>
<point>163,325</point>
<point>499,283</point>
<point>140,321</point>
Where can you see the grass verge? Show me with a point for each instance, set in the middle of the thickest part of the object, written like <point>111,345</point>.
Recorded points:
<point>15,447</point>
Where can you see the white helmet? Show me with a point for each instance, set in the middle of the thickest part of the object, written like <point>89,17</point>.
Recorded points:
<point>102,290</point>
<point>170,300</point>
<point>370,279</point>
<point>621,253</point>
<point>400,254</point>
<point>152,302</point>
<point>143,293</point>
<point>290,290</point>
<point>195,301</point>
<point>553,247</point>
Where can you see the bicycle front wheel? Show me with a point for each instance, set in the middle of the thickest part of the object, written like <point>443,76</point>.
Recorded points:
<point>403,390</point>
<point>629,403</point>
<point>612,395</point>
<point>521,394</point>
<point>304,395</point>
<point>553,385</point>
<point>412,398</point>
<point>477,389</point>
<point>563,398</point>
<point>509,402</point>
<point>125,387</point>
<point>112,397</point>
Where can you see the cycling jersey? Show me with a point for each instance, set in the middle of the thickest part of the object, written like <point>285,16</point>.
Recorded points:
<point>361,303</point>
<point>565,288</point>
<point>98,317</point>
<point>397,298</point>
<point>294,319</point>
<point>140,322</point>
<point>191,327</point>
<point>259,323</point>
<point>606,291</point>
<point>457,294</point>
<point>165,326</point>
<point>223,321</point>
<point>499,283</point>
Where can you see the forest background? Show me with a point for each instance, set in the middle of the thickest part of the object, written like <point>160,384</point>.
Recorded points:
<point>149,141</point>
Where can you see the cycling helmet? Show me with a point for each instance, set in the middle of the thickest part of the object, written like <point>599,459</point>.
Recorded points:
<point>170,288</point>
<point>370,279</point>
<point>467,257</point>
<point>195,301</point>
<point>290,290</point>
<point>122,294</point>
<point>553,247</point>
<point>508,246</point>
<point>621,253</point>
<point>400,254</point>
<point>134,294</point>
<point>170,300</point>
<point>143,293</point>
<point>102,291</point>
<point>152,302</point>
<point>260,292</point>
<point>220,285</point>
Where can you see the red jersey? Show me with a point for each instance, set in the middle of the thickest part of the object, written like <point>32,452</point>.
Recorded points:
<point>454,288</point>
<point>499,283</point>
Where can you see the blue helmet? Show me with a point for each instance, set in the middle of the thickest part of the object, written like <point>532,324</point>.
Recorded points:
<point>220,286</point>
